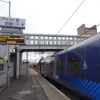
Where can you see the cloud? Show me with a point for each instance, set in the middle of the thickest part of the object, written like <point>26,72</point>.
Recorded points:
<point>48,16</point>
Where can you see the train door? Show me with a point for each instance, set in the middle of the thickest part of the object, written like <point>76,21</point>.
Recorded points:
<point>59,66</point>
<point>51,65</point>
<point>55,67</point>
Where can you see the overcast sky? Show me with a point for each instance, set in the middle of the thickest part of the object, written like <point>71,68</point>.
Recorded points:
<point>48,16</point>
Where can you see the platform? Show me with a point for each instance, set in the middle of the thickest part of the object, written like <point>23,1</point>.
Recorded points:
<point>31,87</point>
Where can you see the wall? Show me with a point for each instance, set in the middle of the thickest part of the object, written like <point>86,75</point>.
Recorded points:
<point>82,30</point>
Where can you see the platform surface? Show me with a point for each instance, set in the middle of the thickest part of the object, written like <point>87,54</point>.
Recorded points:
<point>31,87</point>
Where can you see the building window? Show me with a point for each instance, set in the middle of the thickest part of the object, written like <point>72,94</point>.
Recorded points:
<point>46,37</point>
<point>50,37</point>
<point>59,38</point>
<point>50,42</point>
<point>36,37</point>
<point>31,42</point>
<point>31,37</point>
<point>54,42</point>
<point>36,42</point>
<point>42,37</point>
<point>46,42</point>
<point>63,38</point>
<point>54,38</point>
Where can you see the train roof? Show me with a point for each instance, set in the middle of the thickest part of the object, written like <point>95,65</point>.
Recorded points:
<point>61,52</point>
<point>94,40</point>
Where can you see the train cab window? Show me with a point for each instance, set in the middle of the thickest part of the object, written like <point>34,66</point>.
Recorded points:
<point>74,65</point>
<point>51,65</point>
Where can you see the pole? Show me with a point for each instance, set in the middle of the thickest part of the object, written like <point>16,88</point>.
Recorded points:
<point>8,83</point>
<point>57,42</point>
<point>8,67</point>
<point>8,48</point>
<point>27,67</point>
<point>8,78</point>
<point>9,8</point>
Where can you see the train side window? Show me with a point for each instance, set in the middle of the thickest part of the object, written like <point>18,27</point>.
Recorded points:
<point>74,65</point>
<point>60,65</point>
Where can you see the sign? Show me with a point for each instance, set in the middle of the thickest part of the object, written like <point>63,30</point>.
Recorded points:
<point>11,30</point>
<point>12,39</point>
<point>12,22</point>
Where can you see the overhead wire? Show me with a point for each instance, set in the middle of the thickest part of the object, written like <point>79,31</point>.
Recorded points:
<point>69,20</point>
<point>71,16</point>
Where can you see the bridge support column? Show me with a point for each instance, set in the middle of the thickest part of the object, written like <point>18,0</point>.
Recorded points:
<point>18,62</point>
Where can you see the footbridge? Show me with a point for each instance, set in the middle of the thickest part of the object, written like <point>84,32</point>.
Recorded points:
<point>34,42</point>
<point>43,43</point>
<point>47,42</point>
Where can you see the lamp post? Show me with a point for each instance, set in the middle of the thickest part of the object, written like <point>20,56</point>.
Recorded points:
<point>8,78</point>
<point>9,2</point>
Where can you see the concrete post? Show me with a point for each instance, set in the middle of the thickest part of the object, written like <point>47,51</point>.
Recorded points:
<point>20,64</point>
<point>17,68</point>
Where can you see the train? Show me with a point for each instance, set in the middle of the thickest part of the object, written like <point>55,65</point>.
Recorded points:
<point>77,68</point>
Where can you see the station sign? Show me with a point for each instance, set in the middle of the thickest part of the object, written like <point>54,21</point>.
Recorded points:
<point>12,22</point>
<point>12,39</point>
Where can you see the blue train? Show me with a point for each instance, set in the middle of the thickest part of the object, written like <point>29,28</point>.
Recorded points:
<point>77,68</point>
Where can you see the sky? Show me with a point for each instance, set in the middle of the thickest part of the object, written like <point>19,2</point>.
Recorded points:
<point>48,16</point>
<point>35,57</point>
